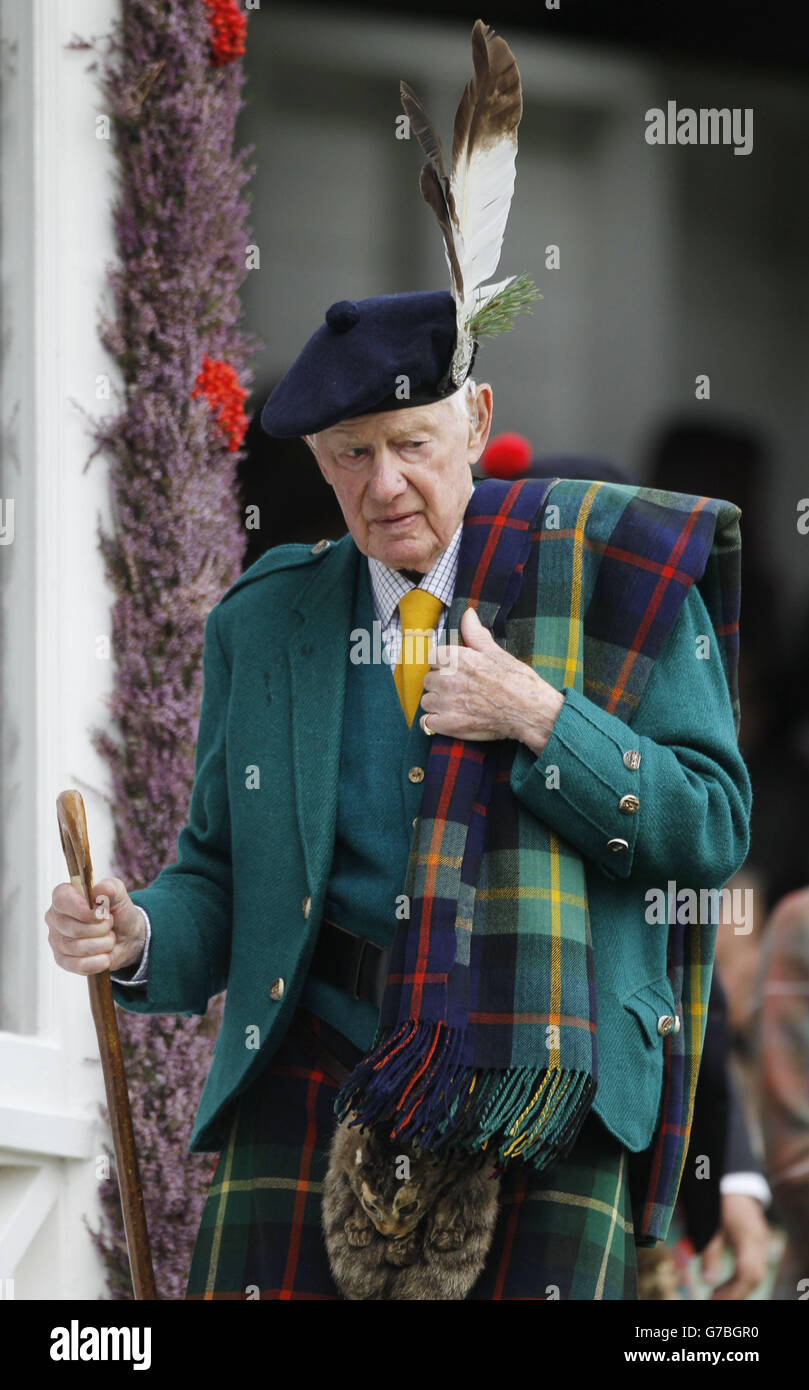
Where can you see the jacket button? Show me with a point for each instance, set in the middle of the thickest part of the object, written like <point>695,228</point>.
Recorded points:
<point>415,821</point>
<point>319,547</point>
<point>306,907</point>
<point>667,1024</point>
<point>277,989</point>
<point>632,759</point>
<point>618,846</point>
<point>628,804</point>
<point>416,774</point>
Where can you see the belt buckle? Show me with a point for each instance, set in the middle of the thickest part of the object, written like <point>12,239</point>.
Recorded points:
<point>376,972</point>
<point>356,946</point>
<point>369,963</point>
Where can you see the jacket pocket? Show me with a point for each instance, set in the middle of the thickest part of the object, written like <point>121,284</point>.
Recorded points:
<point>646,1007</point>
<point>651,1004</point>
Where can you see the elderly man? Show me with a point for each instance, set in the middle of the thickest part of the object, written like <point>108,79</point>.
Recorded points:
<point>445,858</point>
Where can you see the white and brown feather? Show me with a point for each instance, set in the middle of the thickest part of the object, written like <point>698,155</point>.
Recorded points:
<point>471,201</point>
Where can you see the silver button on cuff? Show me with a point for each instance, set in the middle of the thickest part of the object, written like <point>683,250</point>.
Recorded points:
<point>628,804</point>
<point>306,907</point>
<point>319,547</point>
<point>632,759</point>
<point>666,1024</point>
<point>618,846</point>
<point>277,989</point>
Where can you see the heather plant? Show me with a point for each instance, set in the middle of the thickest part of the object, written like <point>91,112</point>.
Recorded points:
<point>172,91</point>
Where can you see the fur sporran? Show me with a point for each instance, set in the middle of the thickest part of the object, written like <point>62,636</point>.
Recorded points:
<point>400,1223</point>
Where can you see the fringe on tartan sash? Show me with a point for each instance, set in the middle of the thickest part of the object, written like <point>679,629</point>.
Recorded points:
<point>413,1081</point>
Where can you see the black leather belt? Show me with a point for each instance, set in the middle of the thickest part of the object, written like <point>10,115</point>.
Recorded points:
<point>350,962</point>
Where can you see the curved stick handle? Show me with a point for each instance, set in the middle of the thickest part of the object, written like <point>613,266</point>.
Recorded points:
<point>73,831</point>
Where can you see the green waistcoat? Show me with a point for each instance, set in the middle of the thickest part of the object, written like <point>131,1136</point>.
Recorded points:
<point>377,801</point>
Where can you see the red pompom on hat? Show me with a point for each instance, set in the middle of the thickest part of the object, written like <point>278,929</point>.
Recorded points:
<point>506,456</point>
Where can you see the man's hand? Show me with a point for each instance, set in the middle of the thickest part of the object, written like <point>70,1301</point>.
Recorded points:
<point>479,691</point>
<point>87,940</point>
<point>743,1229</point>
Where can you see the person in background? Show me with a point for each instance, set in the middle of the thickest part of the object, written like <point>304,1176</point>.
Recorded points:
<point>782,1053</point>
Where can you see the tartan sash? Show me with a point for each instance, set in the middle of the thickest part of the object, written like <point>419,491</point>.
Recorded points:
<point>487,1028</point>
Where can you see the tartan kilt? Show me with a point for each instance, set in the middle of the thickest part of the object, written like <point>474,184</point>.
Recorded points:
<point>563,1234</point>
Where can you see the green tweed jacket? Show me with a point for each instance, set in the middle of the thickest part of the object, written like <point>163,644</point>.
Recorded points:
<point>239,908</point>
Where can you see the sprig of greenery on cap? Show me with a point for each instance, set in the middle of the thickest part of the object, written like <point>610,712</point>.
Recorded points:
<point>498,313</point>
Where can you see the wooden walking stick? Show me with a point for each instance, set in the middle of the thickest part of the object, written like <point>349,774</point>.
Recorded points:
<point>73,830</point>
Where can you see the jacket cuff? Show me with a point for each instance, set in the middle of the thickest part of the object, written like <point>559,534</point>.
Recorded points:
<point>585,783</point>
<point>138,973</point>
<point>158,991</point>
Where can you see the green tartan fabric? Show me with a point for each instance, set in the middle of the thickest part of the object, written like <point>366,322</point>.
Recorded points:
<point>566,1233</point>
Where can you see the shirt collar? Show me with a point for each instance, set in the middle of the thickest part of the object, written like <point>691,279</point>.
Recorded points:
<point>388,585</point>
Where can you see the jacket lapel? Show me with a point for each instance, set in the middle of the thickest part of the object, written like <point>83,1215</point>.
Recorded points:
<point>318,656</point>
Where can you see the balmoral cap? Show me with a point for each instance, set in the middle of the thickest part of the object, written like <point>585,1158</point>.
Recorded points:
<point>368,356</point>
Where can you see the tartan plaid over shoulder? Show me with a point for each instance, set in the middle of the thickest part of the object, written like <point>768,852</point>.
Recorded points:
<point>641,550</point>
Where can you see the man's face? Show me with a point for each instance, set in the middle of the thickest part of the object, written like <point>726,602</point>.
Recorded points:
<point>403,478</point>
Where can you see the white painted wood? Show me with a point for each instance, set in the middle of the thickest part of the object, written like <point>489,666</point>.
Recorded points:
<point>42,1132</point>
<point>26,1197</point>
<point>50,1075</point>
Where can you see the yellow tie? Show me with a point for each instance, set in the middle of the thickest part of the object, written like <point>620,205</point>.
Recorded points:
<point>420,613</point>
